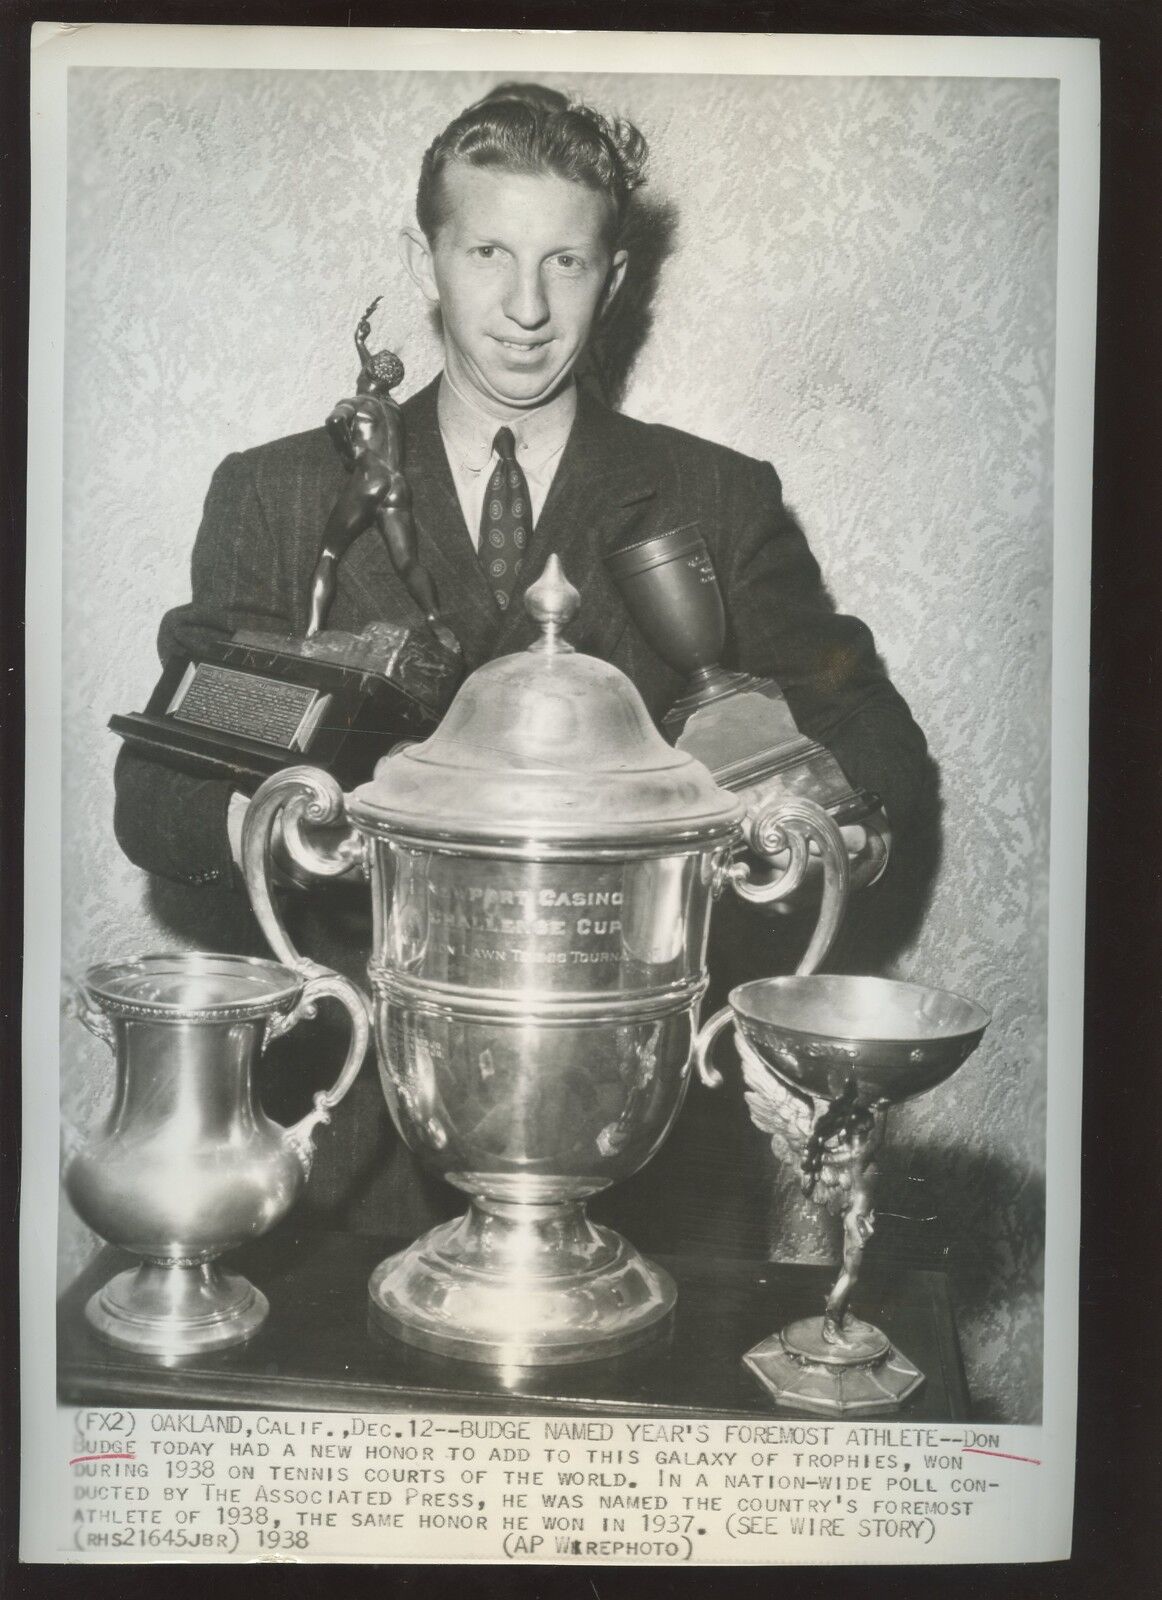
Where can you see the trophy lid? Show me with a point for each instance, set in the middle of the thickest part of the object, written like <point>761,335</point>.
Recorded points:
<point>546,745</point>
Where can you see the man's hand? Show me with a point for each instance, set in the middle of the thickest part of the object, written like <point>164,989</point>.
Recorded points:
<point>854,837</point>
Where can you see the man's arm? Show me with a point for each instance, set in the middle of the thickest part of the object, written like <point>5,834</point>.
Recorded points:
<point>169,822</point>
<point>781,624</point>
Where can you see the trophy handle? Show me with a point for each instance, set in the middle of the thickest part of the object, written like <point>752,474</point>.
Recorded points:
<point>703,1044</point>
<point>293,797</point>
<point>78,1004</point>
<point>790,824</point>
<point>324,985</point>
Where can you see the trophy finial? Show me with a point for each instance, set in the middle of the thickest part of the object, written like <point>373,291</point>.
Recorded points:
<point>552,602</point>
<point>379,373</point>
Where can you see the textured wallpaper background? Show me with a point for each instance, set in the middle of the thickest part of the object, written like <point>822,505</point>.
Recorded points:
<point>852,278</point>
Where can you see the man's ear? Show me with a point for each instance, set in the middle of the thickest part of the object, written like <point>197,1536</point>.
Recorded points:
<point>416,255</point>
<point>616,276</point>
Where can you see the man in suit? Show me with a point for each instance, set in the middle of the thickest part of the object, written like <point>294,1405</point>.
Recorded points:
<point>520,207</point>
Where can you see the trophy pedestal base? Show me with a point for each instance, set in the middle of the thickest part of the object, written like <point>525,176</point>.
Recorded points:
<point>515,1285</point>
<point>168,1310</point>
<point>863,1375</point>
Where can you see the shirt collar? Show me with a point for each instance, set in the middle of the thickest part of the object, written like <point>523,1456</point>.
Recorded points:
<point>468,431</point>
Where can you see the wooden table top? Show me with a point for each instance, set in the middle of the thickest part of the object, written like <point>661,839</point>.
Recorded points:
<point>317,1352</point>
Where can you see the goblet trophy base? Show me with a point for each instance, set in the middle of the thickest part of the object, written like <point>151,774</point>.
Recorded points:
<point>861,1375</point>
<point>165,1309</point>
<point>512,1285</point>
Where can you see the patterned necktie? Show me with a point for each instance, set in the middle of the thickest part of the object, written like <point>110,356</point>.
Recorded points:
<point>506,520</point>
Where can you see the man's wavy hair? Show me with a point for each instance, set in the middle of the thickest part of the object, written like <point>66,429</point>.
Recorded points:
<point>526,127</point>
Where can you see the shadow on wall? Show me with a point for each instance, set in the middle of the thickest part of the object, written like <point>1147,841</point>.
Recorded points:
<point>988,1214</point>
<point>884,921</point>
<point>649,236</point>
<point>989,1234</point>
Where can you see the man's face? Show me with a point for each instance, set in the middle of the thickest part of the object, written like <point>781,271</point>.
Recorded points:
<point>520,268</point>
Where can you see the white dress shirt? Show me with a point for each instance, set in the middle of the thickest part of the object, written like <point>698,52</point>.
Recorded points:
<point>468,432</point>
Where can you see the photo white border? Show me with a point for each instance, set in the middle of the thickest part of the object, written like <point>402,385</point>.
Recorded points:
<point>1074,62</point>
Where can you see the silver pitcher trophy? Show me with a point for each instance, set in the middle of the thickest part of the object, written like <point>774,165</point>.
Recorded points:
<point>187,1165</point>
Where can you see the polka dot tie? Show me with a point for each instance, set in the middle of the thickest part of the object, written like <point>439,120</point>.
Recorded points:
<point>506,520</point>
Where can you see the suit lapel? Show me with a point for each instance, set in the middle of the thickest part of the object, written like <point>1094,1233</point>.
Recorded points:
<point>446,546</point>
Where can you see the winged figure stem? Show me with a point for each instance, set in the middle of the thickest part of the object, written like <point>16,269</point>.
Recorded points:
<point>856,1142</point>
<point>834,1143</point>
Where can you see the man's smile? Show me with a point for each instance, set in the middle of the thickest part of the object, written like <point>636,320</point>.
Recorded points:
<point>518,344</point>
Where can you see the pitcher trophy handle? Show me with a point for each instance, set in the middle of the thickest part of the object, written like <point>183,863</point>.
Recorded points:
<point>791,824</point>
<point>324,985</point>
<point>292,797</point>
<point>78,1004</point>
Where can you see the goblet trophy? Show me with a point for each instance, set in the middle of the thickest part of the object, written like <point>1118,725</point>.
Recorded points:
<point>187,1166</point>
<point>738,725</point>
<point>823,1059</point>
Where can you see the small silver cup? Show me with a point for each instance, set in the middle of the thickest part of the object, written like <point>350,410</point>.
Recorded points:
<point>187,1165</point>
<point>823,1059</point>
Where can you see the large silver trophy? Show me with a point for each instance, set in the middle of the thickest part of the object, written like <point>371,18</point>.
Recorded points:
<point>823,1059</point>
<point>542,872</point>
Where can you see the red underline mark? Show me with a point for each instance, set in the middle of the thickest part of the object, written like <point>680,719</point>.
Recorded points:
<point>1002,1455</point>
<point>110,1455</point>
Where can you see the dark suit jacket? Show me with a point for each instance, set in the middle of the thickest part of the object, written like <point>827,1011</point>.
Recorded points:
<point>259,540</point>
<point>252,567</point>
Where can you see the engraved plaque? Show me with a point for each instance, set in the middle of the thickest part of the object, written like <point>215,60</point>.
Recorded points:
<point>242,711</point>
<point>245,703</point>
